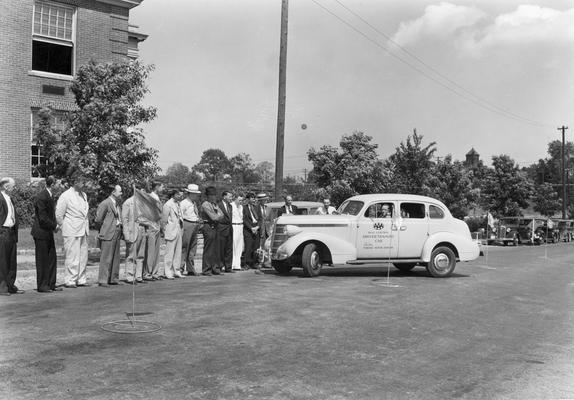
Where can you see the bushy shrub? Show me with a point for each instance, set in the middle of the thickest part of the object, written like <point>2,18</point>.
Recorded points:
<point>23,198</point>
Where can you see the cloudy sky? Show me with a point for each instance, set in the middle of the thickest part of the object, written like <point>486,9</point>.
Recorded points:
<point>490,74</point>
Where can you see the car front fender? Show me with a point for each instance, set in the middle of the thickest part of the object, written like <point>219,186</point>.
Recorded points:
<point>341,250</point>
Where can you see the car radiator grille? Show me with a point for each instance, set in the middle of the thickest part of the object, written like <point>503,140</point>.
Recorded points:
<point>278,238</point>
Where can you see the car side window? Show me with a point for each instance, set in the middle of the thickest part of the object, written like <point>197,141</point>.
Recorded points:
<point>379,210</point>
<point>435,212</point>
<point>412,210</point>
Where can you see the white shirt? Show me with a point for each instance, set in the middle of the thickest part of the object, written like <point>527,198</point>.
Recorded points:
<point>10,217</point>
<point>321,210</point>
<point>236,213</point>
<point>189,210</point>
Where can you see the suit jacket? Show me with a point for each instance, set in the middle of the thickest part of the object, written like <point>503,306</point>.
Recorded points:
<point>108,216</point>
<point>283,210</point>
<point>4,214</point>
<point>72,213</point>
<point>44,216</point>
<point>225,221</point>
<point>264,221</point>
<point>171,219</point>
<point>130,227</point>
<point>248,223</point>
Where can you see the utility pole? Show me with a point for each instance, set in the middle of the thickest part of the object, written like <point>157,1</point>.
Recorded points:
<point>563,129</point>
<point>280,146</point>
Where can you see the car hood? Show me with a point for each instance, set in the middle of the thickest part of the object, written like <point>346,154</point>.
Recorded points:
<point>310,220</point>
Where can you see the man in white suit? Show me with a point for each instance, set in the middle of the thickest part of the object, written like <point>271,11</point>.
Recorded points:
<point>72,217</point>
<point>172,224</point>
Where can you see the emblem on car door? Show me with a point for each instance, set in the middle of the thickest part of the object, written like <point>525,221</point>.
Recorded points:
<point>378,226</point>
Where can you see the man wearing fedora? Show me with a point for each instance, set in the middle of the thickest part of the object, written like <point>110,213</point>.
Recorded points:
<point>191,225</point>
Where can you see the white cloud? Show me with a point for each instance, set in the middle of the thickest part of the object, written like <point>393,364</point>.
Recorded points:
<point>471,30</point>
<point>440,21</point>
<point>528,24</point>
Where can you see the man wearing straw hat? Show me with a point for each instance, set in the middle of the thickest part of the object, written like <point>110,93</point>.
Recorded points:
<point>191,225</point>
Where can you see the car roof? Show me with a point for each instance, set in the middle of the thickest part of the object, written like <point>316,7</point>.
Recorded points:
<point>305,204</point>
<point>394,197</point>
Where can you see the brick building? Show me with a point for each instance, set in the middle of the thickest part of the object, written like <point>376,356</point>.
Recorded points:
<point>42,43</point>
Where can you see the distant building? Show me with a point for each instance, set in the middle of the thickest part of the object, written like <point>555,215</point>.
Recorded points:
<point>43,43</point>
<point>472,158</point>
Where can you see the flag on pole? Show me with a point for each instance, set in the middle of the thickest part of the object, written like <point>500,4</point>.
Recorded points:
<point>490,220</point>
<point>146,206</point>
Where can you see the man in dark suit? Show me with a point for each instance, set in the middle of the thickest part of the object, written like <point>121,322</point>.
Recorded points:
<point>250,230</point>
<point>225,233</point>
<point>108,216</point>
<point>8,239</point>
<point>43,230</point>
<point>288,208</point>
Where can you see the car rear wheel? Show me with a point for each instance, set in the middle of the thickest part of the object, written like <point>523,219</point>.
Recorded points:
<point>405,267</point>
<point>282,267</point>
<point>442,262</point>
<point>311,260</point>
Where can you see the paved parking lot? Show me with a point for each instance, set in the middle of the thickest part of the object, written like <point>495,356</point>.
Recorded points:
<point>497,329</point>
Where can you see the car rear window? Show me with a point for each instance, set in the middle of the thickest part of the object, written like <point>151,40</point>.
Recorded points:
<point>412,210</point>
<point>435,212</point>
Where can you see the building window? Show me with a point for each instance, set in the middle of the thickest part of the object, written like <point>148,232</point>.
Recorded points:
<point>38,158</point>
<point>53,38</point>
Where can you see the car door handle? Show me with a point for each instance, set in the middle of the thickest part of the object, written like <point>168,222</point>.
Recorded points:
<point>403,228</point>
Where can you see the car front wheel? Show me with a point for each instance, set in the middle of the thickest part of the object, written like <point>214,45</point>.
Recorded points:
<point>442,262</point>
<point>311,260</point>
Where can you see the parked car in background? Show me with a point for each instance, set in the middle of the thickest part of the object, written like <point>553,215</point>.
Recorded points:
<point>406,230</point>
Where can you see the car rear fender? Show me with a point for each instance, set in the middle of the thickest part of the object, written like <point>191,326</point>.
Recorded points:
<point>442,238</point>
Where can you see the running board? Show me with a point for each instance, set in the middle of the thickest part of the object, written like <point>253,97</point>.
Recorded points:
<point>383,260</point>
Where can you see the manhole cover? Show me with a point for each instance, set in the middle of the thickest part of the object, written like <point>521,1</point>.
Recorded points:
<point>131,326</point>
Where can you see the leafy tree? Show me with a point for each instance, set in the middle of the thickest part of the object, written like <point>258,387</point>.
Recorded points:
<point>178,174</point>
<point>355,168</point>
<point>451,183</point>
<point>411,165</point>
<point>213,165</point>
<point>505,190</point>
<point>546,200</point>
<point>103,138</point>
<point>242,169</point>
<point>265,170</point>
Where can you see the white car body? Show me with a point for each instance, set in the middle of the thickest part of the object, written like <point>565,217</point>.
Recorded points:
<point>416,227</point>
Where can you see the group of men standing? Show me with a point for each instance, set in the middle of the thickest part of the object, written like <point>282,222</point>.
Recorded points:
<point>234,229</point>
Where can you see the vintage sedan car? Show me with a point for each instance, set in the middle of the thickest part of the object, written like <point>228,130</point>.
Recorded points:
<point>406,230</point>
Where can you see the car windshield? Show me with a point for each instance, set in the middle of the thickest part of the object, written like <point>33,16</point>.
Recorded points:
<point>351,207</point>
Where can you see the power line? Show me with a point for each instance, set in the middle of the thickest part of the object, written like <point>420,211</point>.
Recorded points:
<point>460,92</point>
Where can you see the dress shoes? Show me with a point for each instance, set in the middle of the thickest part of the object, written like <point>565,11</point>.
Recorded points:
<point>192,274</point>
<point>229,271</point>
<point>82,285</point>
<point>206,273</point>
<point>103,285</point>
<point>216,273</point>
<point>113,283</point>
<point>44,291</point>
<point>17,291</point>
<point>71,286</point>
<point>57,289</point>
<point>142,281</point>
